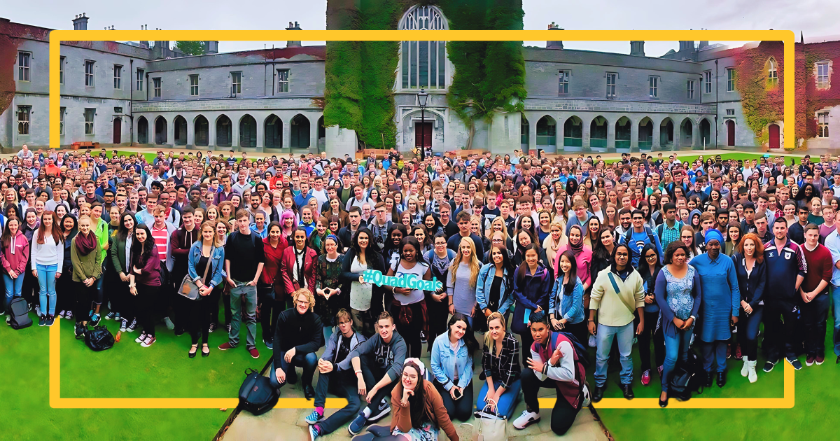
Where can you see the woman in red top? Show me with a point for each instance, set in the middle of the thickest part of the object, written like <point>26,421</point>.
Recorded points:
<point>297,268</point>
<point>271,284</point>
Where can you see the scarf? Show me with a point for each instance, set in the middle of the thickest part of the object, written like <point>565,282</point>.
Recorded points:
<point>576,248</point>
<point>85,244</point>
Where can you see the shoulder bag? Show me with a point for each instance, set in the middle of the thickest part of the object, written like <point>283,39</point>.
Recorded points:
<point>188,288</point>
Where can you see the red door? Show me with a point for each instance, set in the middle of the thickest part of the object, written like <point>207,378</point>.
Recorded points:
<point>117,130</point>
<point>423,134</point>
<point>730,133</point>
<point>774,136</point>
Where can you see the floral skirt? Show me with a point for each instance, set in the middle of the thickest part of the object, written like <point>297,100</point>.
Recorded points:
<point>426,432</point>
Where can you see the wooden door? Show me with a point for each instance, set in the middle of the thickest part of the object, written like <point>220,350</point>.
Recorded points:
<point>117,130</point>
<point>730,133</point>
<point>774,136</point>
<point>423,134</point>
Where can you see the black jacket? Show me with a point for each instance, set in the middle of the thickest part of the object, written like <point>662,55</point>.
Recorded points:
<point>304,332</point>
<point>347,277</point>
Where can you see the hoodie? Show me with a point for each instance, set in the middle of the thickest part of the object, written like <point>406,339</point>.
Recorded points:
<point>390,356</point>
<point>15,256</point>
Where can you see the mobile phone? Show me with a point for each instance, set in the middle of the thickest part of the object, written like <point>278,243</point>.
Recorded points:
<point>458,394</point>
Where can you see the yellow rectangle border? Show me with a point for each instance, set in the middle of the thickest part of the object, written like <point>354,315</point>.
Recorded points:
<point>57,36</point>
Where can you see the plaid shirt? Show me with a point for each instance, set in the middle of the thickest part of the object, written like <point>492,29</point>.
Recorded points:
<point>667,234</point>
<point>504,368</point>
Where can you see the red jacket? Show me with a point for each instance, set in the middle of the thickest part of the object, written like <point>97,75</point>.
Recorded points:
<point>287,269</point>
<point>271,270</point>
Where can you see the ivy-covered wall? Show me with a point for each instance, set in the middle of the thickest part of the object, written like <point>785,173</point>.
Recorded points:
<point>360,76</point>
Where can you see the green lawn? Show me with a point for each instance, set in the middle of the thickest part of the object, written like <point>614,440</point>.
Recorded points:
<point>126,370</point>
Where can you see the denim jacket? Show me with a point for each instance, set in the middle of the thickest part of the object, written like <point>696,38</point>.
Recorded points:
<point>485,282</point>
<point>570,306</point>
<point>445,361</point>
<point>216,262</point>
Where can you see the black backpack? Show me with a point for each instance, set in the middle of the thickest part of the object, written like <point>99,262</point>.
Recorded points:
<point>688,377</point>
<point>19,314</point>
<point>99,338</point>
<point>257,395</point>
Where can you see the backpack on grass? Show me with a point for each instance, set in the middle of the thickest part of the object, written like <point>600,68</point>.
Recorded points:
<point>19,314</point>
<point>687,378</point>
<point>257,395</point>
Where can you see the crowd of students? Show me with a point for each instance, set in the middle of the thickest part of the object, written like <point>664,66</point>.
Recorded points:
<point>541,256</point>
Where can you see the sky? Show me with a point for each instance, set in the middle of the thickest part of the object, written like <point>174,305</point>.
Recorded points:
<point>815,18</point>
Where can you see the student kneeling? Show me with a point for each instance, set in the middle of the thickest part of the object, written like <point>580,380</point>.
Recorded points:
<point>335,377</point>
<point>554,363</point>
<point>298,336</point>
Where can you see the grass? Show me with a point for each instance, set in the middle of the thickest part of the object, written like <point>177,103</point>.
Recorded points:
<point>126,370</point>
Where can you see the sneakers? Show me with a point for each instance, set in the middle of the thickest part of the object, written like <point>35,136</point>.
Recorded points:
<point>586,400</point>
<point>141,338</point>
<point>68,315</point>
<point>423,337</point>
<point>314,417</point>
<point>820,359</point>
<point>794,362</point>
<point>358,424</point>
<point>526,419</point>
<point>745,370</point>
<point>269,344</point>
<point>253,351</point>
<point>150,340</point>
<point>383,411</point>
<point>80,331</point>
<point>117,317</point>
<point>169,324</point>
<point>810,360</point>
<point>37,309</point>
<point>42,320</point>
<point>226,346</point>
<point>768,365</point>
<point>212,328</point>
<point>123,325</point>
<point>313,433</point>
<point>109,316</point>
<point>50,320</point>
<point>95,319</point>
<point>60,314</point>
<point>131,326</point>
<point>738,353</point>
<point>646,377</point>
<point>751,375</point>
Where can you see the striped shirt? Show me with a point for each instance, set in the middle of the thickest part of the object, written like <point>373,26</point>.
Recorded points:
<point>161,237</point>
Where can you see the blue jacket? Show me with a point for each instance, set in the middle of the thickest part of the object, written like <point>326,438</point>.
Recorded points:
<point>531,292</point>
<point>571,305</point>
<point>332,346</point>
<point>485,282</point>
<point>445,360</point>
<point>216,261</point>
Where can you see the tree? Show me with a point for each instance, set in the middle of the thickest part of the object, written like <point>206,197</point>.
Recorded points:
<point>190,47</point>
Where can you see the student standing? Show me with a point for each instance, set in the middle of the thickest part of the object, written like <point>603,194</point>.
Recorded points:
<point>752,281</point>
<point>47,257</point>
<point>14,258</point>
<point>206,251</point>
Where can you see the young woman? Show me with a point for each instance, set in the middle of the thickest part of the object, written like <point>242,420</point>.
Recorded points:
<point>47,254</point>
<point>677,293</point>
<point>15,256</point>
<point>544,229</point>
<point>733,237</point>
<point>461,283</point>
<point>367,301</point>
<point>319,235</point>
<point>649,268</point>
<point>532,285</point>
<point>565,305</point>
<point>439,259</point>
<point>204,252</point>
<point>494,287</point>
<point>687,238</point>
<point>554,241</point>
<point>119,248</point>
<point>752,277</point>
<point>298,265</point>
<point>593,231</point>
<point>418,409</point>
<point>391,251</point>
<point>423,237</point>
<point>500,364</point>
<point>452,367</point>
<point>583,255</point>
<point>65,303</point>
<point>287,223</point>
<point>87,269</point>
<point>328,298</point>
<point>409,305</point>
<point>144,280</point>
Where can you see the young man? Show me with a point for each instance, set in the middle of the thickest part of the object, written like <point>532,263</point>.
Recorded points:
<point>345,234</point>
<point>244,260</point>
<point>226,192</point>
<point>464,231</point>
<point>814,294</point>
<point>331,380</point>
<point>796,232</point>
<point>553,364</point>
<point>449,228</point>
<point>358,199</point>
<point>581,217</point>
<point>669,231</point>
<point>625,223</point>
<point>162,233</point>
<point>182,240</point>
<point>379,225</point>
<point>381,357</point>
<point>786,269</point>
<point>298,335</point>
<point>611,316</point>
<point>639,236</point>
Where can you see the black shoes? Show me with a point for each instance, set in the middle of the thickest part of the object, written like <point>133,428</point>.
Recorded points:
<point>663,403</point>
<point>710,376</point>
<point>308,392</point>
<point>721,379</point>
<point>193,351</point>
<point>627,390</point>
<point>598,393</point>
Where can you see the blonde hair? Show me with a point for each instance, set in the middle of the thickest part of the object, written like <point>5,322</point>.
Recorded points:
<point>498,219</point>
<point>212,225</point>
<point>475,265</point>
<point>305,292</point>
<point>488,339</point>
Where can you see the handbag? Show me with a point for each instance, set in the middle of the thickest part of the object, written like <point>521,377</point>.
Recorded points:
<point>188,288</point>
<point>491,427</point>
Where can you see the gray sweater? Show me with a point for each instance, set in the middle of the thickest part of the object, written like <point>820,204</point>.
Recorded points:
<point>463,295</point>
<point>390,356</point>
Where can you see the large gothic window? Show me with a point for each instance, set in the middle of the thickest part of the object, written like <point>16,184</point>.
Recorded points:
<point>423,63</point>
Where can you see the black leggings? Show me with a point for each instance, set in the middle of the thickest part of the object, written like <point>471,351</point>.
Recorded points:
<point>562,416</point>
<point>146,299</point>
<point>269,310</point>
<point>438,317</point>
<point>463,408</point>
<point>65,291</point>
<point>199,319</point>
<point>86,296</point>
<point>651,332</point>
<point>410,332</point>
<point>216,297</point>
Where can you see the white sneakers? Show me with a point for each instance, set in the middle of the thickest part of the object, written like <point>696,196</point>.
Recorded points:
<point>586,399</point>
<point>749,369</point>
<point>746,369</point>
<point>526,419</point>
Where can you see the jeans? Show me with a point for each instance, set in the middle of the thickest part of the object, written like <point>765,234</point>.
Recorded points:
<point>604,336</point>
<point>345,385</point>
<point>507,402</point>
<point>562,416</point>
<point>676,346</point>
<point>307,361</point>
<point>814,315</point>
<point>835,299</point>
<point>748,332</point>
<point>714,356</point>
<point>13,289</point>
<point>243,297</point>
<point>46,281</point>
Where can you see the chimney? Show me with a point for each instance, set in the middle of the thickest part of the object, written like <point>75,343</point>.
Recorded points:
<point>554,44</point>
<point>637,48</point>
<point>80,22</point>
<point>211,47</point>
<point>144,44</point>
<point>703,45</point>
<point>293,27</point>
<point>686,46</point>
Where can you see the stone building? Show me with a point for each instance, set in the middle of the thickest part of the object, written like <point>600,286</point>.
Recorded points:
<point>272,100</point>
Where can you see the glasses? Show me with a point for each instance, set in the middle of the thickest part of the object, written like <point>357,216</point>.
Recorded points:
<point>650,256</point>
<point>686,237</point>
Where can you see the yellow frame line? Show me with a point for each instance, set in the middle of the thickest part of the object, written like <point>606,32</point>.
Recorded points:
<point>59,36</point>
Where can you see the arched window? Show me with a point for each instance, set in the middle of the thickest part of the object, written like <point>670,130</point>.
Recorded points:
<point>772,74</point>
<point>423,63</point>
